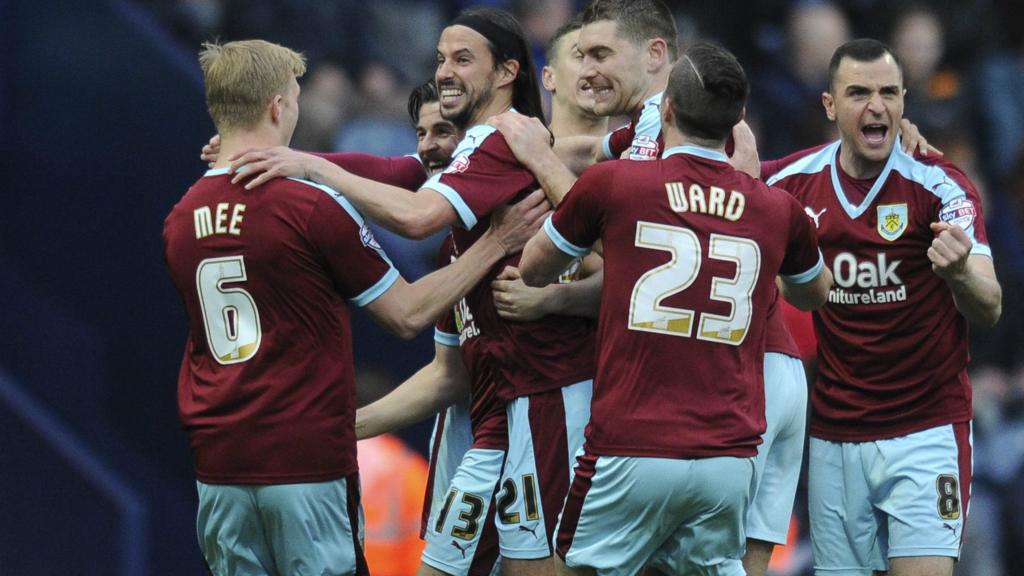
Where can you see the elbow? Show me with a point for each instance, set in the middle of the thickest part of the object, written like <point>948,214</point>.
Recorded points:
<point>991,316</point>
<point>532,277</point>
<point>413,225</point>
<point>403,326</point>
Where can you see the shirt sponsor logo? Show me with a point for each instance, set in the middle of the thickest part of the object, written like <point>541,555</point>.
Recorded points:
<point>892,221</point>
<point>644,148</point>
<point>959,211</point>
<point>866,282</point>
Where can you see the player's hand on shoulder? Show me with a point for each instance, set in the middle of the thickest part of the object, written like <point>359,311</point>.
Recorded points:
<point>262,164</point>
<point>211,150</point>
<point>514,224</point>
<point>516,301</point>
<point>912,140</point>
<point>744,155</point>
<point>949,250</point>
<point>526,136</point>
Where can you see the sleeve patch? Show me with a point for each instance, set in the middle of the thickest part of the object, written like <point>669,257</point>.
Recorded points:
<point>959,211</point>
<point>458,165</point>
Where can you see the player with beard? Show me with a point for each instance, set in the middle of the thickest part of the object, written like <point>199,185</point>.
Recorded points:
<point>266,387</point>
<point>540,371</point>
<point>889,466</point>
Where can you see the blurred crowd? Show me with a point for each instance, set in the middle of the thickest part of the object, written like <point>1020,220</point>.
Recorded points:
<point>963,68</point>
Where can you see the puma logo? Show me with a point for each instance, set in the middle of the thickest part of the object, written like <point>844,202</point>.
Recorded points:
<point>531,530</point>
<point>461,549</point>
<point>950,527</point>
<point>814,216</point>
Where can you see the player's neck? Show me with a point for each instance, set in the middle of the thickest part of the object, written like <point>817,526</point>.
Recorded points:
<point>857,167</point>
<point>659,82</point>
<point>566,121</point>
<point>500,103</point>
<point>240,141</point>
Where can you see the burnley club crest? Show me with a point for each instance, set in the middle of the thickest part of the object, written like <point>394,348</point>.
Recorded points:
<point>892,221</point>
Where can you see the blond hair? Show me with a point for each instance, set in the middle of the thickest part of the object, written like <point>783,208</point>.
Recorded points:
<point>241,78</point>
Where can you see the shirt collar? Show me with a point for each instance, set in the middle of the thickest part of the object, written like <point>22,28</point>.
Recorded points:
<point>698,151</point>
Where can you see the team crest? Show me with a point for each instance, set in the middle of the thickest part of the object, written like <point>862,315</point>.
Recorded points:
<point>458,165</point>
<point>892,221</point>
<point>959,211</point>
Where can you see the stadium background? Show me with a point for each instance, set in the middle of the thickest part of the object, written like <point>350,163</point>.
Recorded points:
<point>103,117</point>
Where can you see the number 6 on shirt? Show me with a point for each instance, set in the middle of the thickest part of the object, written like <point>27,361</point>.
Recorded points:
<point>230,316</point>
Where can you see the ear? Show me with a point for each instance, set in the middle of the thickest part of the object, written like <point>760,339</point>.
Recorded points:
<point>668,114</point>
<point>508,71</point>
<point>547,78</point>
<point>830,105</point>
<point>657,54</point>
<point>276,104</point>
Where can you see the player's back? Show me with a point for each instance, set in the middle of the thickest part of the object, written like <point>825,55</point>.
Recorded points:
<point>691,251</point>
<point>265,389</point>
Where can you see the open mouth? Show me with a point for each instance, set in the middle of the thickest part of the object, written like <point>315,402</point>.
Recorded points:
<point>875,133</point>
<point>450,95</point>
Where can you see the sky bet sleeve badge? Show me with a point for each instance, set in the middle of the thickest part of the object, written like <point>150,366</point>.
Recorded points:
<point>892,221</point>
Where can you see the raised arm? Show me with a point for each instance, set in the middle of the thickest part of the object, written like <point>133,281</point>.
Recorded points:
<point>410,214</point>
<point>971,277</point>
<point>405,309</point>
<point>442,382</point>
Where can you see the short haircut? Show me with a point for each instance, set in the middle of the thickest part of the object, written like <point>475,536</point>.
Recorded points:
<point>638,20</point>
<point>860,50</point>
<point>423,94</point>
<point>708,89</point>
<point>573,25</point>
<point>242,77</point>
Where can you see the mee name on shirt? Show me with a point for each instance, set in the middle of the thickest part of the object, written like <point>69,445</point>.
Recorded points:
<point>266,388</point>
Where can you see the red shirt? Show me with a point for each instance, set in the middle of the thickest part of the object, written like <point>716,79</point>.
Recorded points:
<point>487,416</point>
<point>892,347</point>
<point>522,358</point>
<point>402,171</point>
<point>691,251</point>
<point>266,388</point>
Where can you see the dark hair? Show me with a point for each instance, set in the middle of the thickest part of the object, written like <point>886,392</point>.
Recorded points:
<point>708,89</point>
<point>571,26</point>
<point>507,41</point>
<point>860,50</point>
<point>423,94</point>
<point>638,20</point>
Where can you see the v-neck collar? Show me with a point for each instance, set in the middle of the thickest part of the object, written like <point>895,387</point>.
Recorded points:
<point>855,211</point>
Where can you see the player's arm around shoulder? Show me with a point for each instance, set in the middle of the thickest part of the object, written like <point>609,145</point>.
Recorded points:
<point>405,309</point>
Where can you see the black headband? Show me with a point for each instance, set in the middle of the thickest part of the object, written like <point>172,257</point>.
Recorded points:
<point>507,44</point>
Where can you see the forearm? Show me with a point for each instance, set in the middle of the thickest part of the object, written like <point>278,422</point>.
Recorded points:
<point>978,297</point>
<point>426,392</point>
<point>580,298</point>
<point>431,295</point>
<point>555,178</point>
<point>394,208</point>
